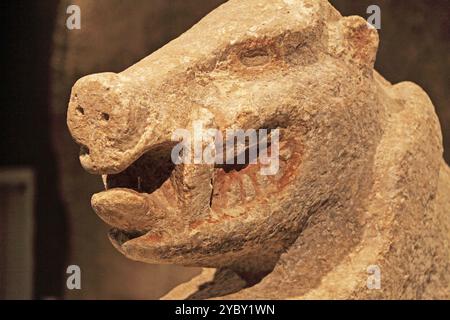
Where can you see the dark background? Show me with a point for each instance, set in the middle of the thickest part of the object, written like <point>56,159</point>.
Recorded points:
<point>414,46</point>
<point>26,129</point>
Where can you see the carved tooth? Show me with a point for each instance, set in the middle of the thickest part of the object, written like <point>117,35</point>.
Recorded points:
<point>105,181</point>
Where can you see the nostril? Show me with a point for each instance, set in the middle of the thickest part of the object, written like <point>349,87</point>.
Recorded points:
<point>105,116</point>
<point>84,150</point>
<point>80,110</point>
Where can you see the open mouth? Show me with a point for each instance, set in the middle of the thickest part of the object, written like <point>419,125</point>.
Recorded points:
<point>136,199</point>
<point>153,196</point>
<point>146,174</point>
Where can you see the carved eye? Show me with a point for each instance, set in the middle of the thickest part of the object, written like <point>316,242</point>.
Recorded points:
<point>255,57</point>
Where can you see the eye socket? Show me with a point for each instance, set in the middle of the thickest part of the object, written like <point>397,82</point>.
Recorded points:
<point>255,57</point>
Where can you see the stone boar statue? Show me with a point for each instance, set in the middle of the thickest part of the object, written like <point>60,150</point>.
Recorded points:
<point>359,207</point>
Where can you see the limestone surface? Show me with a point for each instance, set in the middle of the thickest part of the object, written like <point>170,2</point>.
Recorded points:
<point>361,186</point>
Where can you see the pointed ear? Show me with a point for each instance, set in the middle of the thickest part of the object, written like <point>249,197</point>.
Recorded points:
<point>356,41</point>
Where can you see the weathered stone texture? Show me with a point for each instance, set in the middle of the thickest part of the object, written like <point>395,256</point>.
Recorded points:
<point>107,27</point>
<point>363,184</point>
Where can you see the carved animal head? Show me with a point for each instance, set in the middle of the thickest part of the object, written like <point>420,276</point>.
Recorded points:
<point>292,65</point>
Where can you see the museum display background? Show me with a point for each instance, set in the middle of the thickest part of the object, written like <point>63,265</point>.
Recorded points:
<point>46,59</point>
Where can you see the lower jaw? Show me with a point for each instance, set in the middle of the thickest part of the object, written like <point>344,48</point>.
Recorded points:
<point>145,247</point>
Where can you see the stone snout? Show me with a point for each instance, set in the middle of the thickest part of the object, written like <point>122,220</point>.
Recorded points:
<point>115,121</point>
<point>103,118</point>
